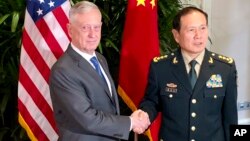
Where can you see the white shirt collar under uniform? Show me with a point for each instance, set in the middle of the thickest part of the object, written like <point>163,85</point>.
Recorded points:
<point>199,60</point>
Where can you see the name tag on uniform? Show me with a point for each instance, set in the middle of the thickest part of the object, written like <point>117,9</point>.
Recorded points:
<point>171,87</point>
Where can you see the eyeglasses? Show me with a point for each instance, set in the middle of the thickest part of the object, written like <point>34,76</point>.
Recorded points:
<point>87,27</point>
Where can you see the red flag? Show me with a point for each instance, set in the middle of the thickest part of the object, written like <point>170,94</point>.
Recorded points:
<point>140,44</point>
<point>43,42</point>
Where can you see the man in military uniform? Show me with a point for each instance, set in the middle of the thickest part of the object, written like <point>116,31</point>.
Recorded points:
<point>195,89</point>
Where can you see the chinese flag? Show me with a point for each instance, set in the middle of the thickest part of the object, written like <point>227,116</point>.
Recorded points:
<point>140,44</point>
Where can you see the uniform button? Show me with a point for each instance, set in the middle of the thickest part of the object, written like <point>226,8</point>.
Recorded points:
<point>192,139</point>
<point>215,96</point>
<point>170,96</point>
<point>193,128</point>
<point>193,114</point>
<point>194,101</point>
<point>161,139</point>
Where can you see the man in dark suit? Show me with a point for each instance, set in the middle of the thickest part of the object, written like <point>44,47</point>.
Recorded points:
<point>83,94</point>
<point>195,89</point>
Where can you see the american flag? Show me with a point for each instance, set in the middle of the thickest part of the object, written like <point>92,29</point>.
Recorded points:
<point>44,40</point>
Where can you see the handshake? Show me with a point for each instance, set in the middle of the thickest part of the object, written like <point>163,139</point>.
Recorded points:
<point>140,121</point>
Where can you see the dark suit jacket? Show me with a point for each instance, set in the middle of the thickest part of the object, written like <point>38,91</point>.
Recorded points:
<point>83,107</point>
<point>202,114</point>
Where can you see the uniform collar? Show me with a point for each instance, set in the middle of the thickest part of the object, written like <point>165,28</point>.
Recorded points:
<point>187,58</point>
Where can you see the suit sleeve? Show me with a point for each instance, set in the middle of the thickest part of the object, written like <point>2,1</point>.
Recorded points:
<point>230,115</point>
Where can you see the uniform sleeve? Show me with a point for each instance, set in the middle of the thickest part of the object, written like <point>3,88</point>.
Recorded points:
<point>230,114</point>
<point>150,102</point>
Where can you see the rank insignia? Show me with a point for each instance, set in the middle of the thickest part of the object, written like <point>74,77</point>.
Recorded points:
<point>225,59</point>
<point>211,61</point>
<point>175,61</point>
<point>215,81</point>
<point>171,87</point>
<point>228,59</point>
<point>157,59</point>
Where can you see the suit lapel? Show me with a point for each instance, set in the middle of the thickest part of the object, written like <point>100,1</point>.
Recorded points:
<point>105,68</point>
<point>114,96</point>
<point>205,72</point>
<point>180,71</point>
<point>85,66</point>
<point>181,74</point>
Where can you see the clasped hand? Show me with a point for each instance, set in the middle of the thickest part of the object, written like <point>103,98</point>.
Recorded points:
<point>140,121</point>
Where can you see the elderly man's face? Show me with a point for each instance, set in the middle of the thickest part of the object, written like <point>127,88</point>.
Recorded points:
<point>85,30</point>
<point>193,34</point>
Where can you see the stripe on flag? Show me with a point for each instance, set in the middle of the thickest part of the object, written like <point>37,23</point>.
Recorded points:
<point>44,40</point>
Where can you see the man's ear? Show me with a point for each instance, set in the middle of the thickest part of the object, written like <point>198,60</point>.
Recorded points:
<point>176,35</point>
<point>69,29</point>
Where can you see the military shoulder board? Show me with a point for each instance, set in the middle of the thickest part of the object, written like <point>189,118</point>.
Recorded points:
<point>158,58</point>
<point>223,58</point>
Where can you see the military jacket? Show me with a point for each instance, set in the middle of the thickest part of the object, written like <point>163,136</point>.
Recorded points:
<point>200,114</point>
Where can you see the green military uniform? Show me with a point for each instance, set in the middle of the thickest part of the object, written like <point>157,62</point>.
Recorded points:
<point>202,114</point>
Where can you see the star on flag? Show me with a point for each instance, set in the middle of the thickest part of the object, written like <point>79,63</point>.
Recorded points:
<point>142,2</point>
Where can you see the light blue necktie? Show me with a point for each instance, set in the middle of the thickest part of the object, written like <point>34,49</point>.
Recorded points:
<point>192,73</point>
<point>98,68</point>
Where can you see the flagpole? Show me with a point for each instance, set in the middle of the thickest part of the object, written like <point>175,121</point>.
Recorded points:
<point>135,137</point>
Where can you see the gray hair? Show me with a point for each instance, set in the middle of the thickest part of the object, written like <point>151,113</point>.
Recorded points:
<point>81,7</point>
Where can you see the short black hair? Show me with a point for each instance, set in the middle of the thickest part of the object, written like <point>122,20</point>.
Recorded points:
<point>183,12</point>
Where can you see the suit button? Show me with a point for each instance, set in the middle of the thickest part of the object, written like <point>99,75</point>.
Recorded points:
<point>192,139</point>
<point>161,139</point>
<point>193,128</point>
<point>194,101</point>
<point>193,114</point>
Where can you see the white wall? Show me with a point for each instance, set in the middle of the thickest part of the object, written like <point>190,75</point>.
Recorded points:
<point>230,33</point>
<point>229,24</point>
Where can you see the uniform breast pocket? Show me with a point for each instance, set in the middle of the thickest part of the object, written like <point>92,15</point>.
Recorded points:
<point>174,102</point>
<point>214,93</point>
<point>168,93</point>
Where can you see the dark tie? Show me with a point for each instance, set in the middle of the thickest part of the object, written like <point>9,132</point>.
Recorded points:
<point>192,73</point>
<point>97,67</point>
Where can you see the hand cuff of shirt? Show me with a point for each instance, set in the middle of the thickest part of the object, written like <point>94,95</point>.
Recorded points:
<point>131,124</point>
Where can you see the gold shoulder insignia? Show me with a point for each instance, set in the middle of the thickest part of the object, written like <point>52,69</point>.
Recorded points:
<point>211,61</point>
<point>157,59</point>
<point>223,58</point>
<point>175,61</point>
